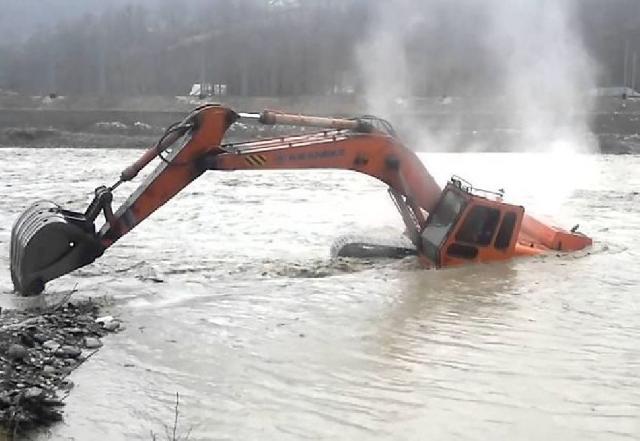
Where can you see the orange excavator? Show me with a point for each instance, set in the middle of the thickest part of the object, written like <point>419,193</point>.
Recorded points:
<point>447,227</point>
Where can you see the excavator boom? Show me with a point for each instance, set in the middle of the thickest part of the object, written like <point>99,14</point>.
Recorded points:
<point>48,241</point>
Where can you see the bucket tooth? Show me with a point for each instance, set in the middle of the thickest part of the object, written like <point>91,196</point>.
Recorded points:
<point>48,242</point>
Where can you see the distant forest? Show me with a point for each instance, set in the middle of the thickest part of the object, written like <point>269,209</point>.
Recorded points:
<point>281,47</point>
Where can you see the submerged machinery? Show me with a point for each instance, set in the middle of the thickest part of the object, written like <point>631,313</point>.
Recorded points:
<point>452,226</point>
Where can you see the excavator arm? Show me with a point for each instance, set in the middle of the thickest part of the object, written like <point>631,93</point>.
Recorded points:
<point>375,153</point>
<point>190,148</point>
<point>200,134</point>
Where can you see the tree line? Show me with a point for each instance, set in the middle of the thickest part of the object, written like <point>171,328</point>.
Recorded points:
<point>282,47</point>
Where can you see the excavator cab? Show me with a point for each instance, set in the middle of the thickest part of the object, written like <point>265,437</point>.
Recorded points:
<point>467,225</point>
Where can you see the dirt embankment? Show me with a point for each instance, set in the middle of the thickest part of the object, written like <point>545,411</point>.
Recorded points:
<point>136,122</point>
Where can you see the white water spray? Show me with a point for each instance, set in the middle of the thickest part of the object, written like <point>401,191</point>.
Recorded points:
<point>537,76</point>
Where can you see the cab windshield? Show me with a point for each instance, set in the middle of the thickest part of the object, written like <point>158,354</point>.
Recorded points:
<point>440,222</point>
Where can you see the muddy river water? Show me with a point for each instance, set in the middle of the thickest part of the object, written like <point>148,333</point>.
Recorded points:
<point>229,297</point>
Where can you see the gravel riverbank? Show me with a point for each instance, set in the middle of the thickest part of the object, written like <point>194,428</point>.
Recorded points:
<point>39,348</point>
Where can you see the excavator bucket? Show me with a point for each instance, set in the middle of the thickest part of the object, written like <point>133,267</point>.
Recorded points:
<point>47,242</point>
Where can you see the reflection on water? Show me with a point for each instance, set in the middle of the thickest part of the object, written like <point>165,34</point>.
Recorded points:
<point>230,299</point>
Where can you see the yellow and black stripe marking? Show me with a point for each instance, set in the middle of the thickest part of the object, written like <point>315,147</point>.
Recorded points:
<point>255,160</point>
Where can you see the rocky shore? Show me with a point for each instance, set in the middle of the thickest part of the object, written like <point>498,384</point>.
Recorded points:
<point>39,348</point>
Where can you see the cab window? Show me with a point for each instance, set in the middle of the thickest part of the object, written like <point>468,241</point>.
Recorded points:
<point>479,226</point>
<point>462,251</point>
<point>443,218</point>
<point>503,239</point>
<point>440,222</point>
